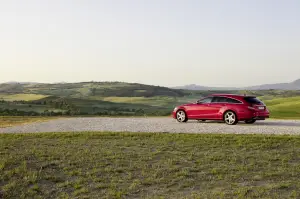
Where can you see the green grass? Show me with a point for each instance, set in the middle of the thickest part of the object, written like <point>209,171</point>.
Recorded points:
<point>12,121</point>
<point>284,107</point>
<point>152,101</point>
<point>281,100</point>
<point>132,165</point>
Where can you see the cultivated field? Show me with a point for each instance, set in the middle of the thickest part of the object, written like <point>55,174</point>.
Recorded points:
<point>25,97</point>
<point>12,121</point>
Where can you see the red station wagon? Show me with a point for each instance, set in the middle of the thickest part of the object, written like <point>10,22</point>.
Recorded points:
<point>227,107</point>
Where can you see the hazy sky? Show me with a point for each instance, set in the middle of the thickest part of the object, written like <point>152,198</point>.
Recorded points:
<point>160,42</point>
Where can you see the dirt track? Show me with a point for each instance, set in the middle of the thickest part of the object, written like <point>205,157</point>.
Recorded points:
<point>155,125</point>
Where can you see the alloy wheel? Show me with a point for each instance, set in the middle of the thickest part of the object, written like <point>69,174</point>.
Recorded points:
<point>181,116</point>
<point>230,118</point>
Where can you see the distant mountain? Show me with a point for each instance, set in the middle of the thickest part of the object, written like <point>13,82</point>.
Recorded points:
<point>14,86</point>
<point>296,82</point>
<point>15,82</point>
<point>60,83</point>
<point>11,82</point>
<point>295,85</point>
<point>198,87</point>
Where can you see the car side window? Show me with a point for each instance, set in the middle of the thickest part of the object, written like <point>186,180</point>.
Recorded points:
<point>205,100</point>
<point>233,101</point>
<point>219,100</point>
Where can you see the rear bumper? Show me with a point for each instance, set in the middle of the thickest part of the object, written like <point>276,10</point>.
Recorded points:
<point>257,115</point>
<point>261,117</point>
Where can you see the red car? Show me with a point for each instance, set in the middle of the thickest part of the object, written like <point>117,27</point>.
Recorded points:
<point>227,107</point>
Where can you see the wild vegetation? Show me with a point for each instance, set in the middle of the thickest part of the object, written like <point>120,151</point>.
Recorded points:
<point>11,121</point>
<point>118,98</point>
<point>145,165</point>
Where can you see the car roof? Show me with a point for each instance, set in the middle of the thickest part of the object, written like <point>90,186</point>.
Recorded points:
<point>230,95</point>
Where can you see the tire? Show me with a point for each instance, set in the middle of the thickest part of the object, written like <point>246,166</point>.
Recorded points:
<point>230,118</point>
<point>181,116</point>
<point>251,121</point>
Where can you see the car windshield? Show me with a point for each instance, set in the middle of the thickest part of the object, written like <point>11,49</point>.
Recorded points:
<point>253,100</point>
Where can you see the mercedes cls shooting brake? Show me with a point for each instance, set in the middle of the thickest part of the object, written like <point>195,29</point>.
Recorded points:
<point>227,107</point>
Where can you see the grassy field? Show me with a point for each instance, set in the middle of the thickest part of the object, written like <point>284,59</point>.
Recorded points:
<point>288,107</point>
<point>154,101</point>
<point>18,97</point>
<point>131,165</point>
<point>12,121</point>
<point>166,102</point>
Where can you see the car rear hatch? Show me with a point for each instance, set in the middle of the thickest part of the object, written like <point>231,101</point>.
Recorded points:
<point>255,104</point>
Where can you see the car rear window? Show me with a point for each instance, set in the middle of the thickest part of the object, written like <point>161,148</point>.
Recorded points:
<point>252,100</point>
<point>233,101</point>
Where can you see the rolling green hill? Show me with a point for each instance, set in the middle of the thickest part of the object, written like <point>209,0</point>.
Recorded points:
<point>119,98</point>
<point>288,107</point>
<point>85,89</point>
<point>103,98</point>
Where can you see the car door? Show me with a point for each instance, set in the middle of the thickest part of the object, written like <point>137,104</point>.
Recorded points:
<point>215,107</point>
<point>202,108</point>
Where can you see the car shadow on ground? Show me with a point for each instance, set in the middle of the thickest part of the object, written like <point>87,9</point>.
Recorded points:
<point>257,123</point>
<point>274,123</point>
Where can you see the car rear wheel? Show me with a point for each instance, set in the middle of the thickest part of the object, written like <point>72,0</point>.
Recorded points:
<point>181,116</point>
<point>251,121</point>
<point>230,118</point>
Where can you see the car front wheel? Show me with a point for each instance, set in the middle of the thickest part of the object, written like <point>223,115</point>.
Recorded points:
<point>230,118</point>
<point>181,116</point>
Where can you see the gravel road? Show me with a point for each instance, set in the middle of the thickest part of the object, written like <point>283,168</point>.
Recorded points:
<point>155,125</point>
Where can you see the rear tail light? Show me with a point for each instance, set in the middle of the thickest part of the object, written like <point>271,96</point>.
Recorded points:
<point>251,108</point>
